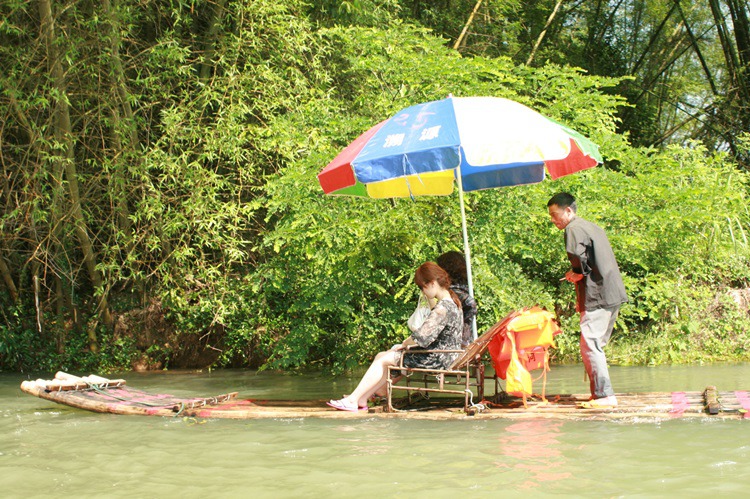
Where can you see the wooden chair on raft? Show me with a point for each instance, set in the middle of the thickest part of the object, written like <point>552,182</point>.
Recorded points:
<point>467,373</point>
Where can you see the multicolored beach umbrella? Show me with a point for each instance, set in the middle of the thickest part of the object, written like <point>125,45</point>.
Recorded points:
<point>491,141</point>
<point>473,142</point>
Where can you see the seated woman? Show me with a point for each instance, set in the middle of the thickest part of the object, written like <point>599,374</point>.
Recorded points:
<point>441,331</point>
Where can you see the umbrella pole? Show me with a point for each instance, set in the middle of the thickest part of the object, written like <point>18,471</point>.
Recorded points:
<point>467,250</point>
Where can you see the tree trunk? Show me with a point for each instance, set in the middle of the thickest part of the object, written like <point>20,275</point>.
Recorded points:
<point>654,37</point>
<point>738,93</point>
<point>210,41</point>
<point>8,279</point>
<point>544,32</point>
<point>462,37</point>
<point>697,49</point>
<point>4,269</point>
<point>738,10</point>
<point>122,100</point>
<point>730,56</point>
<point>54,225</point>
<point>64,135</point>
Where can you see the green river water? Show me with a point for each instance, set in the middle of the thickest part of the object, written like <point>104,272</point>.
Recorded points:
<point>48,450</point>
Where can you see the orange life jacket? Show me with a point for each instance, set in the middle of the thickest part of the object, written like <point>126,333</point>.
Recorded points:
<point>523,347</point>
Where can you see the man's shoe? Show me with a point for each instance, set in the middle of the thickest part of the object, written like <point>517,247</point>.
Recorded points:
<point>601,403</point>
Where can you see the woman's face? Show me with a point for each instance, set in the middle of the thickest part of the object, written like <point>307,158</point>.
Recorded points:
<point>431,289</point>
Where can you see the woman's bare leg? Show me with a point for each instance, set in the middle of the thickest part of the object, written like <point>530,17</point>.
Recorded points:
<point>374,378</point>
<point>382,391</point>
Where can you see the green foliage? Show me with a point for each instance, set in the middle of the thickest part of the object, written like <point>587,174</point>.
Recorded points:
<point>371,13</point>
<point>199,132</point>
<point>687,323</point>
<point>59,347</point>
<point>19,343</point>
<point>661,209</point>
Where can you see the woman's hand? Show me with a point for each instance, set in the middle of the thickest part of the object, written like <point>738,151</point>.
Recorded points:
<point>408,342</point>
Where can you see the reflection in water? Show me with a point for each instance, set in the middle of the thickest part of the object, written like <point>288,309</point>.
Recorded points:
<point>532,449</point>
<point>363,443</point>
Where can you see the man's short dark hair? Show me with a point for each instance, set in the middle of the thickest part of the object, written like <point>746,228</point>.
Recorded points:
<point>563,200</point>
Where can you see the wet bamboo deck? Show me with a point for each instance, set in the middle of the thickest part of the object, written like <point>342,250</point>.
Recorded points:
<point>114,396</point>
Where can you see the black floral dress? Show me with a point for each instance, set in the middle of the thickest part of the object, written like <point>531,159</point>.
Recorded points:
<point>441,331</point>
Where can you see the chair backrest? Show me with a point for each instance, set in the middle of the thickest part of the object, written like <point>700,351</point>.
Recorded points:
<point>476,349</point>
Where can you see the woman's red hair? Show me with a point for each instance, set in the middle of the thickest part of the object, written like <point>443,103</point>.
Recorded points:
<point>429,272</point>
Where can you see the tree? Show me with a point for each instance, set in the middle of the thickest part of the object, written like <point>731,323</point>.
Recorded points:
<point>676,52</point>
<point>126,173</point>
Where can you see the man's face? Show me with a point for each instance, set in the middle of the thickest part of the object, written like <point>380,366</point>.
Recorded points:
<point>561,217</point>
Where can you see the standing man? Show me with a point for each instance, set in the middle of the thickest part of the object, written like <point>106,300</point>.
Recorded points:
<point>599,291</point>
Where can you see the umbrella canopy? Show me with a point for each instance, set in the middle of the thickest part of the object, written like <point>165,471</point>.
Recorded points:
<point>492,142</point>
<point>474,142</point>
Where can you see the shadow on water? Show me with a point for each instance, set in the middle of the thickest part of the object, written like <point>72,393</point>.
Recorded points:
<point>48,450</point>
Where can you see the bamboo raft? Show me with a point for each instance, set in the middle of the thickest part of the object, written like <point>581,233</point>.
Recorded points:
<point>102,395</point>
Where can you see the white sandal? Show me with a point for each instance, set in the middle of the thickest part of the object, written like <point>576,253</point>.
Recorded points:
<point>345,405</point>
